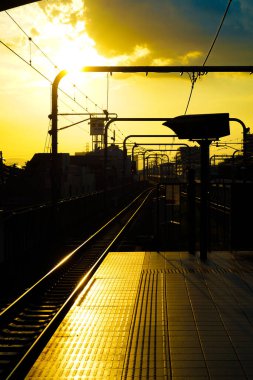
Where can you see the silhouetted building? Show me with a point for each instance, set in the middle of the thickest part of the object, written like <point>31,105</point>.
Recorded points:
<point>248,146</point>
<point>188,157</point>
<point>77,175</point>
<point>95,160</point>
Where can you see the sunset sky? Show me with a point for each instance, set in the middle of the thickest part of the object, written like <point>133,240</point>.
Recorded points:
<point>70,34</point>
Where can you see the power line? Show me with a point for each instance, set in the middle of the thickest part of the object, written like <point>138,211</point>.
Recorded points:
<point>193,78</point>
<point>46,78</point>
<point>32,41</point>
<point>193,81</point>
<point>218,31</point>
<point>39,72</point>
<point>47,57</point>
<point>87,98</point>
<point>107,92</point>
<point>24,60</point>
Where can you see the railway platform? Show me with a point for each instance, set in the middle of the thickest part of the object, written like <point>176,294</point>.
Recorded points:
<point>157,315</point>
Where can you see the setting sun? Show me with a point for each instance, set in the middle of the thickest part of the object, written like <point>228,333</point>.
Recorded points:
<point>73,34</point>
<point>126,179</point>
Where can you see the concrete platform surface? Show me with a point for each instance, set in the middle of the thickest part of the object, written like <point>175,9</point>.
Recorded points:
<point>157,315</point>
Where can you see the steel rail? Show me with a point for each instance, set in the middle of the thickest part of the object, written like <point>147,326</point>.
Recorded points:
<point>5,312</point>
<point>24,362</point>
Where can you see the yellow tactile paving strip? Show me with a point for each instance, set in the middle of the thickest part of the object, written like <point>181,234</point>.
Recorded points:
<point>157,316</point>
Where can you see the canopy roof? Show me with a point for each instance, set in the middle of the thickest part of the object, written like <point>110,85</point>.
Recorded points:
<point>8,4</point>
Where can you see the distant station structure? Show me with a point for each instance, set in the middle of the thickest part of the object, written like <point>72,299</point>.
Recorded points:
<point>97,131</point>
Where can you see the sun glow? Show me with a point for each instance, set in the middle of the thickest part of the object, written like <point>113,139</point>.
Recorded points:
<point>74,36</point>
<point>76,50</point>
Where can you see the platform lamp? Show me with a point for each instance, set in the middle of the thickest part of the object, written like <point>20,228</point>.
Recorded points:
<point>202,128</point>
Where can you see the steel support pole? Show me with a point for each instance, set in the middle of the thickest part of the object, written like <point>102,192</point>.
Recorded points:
<point>128,119</point>
<point>204,198</point>
<point>131,136</point>
<point>245,131</point>
<point>55,180</point>
<point>191,194</point>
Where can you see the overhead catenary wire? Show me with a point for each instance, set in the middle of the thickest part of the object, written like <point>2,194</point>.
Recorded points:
<point>25,61</point>
<point>194,79</point>
<point>47,79</point>
<point>43,75</point>
<point>32,41</point>
<point>47,57</point>
<point>40,73</point>
<point>217,33</point>
<point>122,134</point>
<point>107,91</point>
<point>89,99</point>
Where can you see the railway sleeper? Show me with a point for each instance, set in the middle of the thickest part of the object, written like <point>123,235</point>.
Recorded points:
<point>8,354</point>
<point>32,318</point>
<point>39,309</point>
<point>7,339</point>
<point>22,332</point>
<point>52,300</point>
<point>59,292</point>
<point>36,312</point>
<point>49,303</point>
<point>35,318</point>
<point>3,362</point>
<point>50,294</point>
<point>44,304</point>
<point>25,326</point>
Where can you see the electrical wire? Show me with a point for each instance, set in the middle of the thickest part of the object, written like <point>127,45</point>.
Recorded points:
<point>194,79</point>
<point>46,78</point>
<point>47,57</point>
<point>24,60</point>
<point>89,99</point>
<point>107,92</point>
<point>115,125</point>
<point>55,66</point>
<point>32,41</point>
<point>218,31</point>
<point>40,73</point>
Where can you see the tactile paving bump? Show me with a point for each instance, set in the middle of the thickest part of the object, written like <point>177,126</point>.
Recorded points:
<point>155,315</point>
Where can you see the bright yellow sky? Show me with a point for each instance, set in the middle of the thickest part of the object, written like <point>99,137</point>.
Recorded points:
<point>68,39</point>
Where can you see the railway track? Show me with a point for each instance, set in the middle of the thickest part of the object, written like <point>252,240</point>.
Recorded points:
<point>27,323</point>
